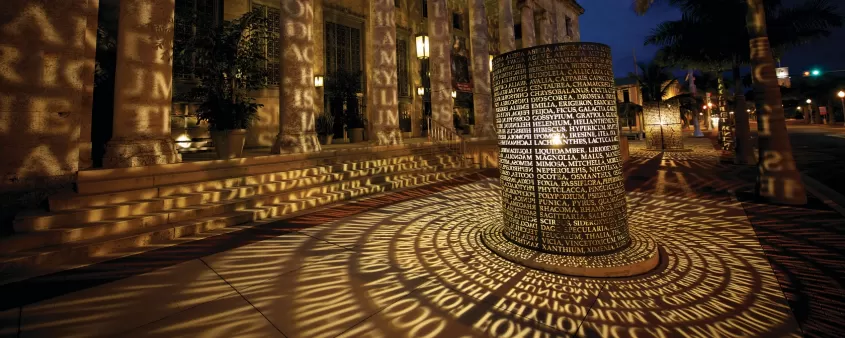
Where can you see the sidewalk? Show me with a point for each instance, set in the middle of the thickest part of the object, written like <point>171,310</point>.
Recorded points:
<point>410,263</point>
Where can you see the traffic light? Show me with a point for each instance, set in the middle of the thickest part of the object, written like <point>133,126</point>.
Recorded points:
<point>816,72</point>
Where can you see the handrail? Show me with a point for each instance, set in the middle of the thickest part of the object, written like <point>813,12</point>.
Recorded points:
<point>448,137</point>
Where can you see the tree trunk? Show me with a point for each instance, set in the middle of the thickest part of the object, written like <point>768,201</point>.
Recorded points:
<point>743,129</point>
<point>778,180</point>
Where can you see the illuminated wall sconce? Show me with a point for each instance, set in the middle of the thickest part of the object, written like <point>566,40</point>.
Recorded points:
<point>454,94</point>
<point>422,46</point>
<point>318,81</point>
<point>183,141</point>
<point>420,91</point>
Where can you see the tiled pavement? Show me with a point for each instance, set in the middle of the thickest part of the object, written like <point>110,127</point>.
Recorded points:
<point>411,264</point>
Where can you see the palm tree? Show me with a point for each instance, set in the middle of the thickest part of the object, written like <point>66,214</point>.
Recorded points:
<point>655,81</point>
<point>778,178</point>
<point>724,44</point>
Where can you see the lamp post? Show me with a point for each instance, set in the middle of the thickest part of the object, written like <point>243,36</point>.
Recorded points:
<point>841,95</point>
<point>811,118</point>
<point>423,51</point>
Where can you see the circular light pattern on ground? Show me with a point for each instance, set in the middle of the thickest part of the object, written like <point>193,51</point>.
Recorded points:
<point>420,269</point>
<point>637,258</point>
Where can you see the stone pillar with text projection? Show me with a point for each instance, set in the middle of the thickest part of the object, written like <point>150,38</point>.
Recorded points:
<point>143,81</point>
<point>507,41</point>
<point>297,133</point>
<point>560,23</point>
<point>481,97</point>
<point>560,164</point>
<point>663,126</point>
<point>382,91</point>
<point>440,63</point>
<point>547,31</point>
<point>529,39</point>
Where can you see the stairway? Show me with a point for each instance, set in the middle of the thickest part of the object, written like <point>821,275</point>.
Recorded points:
<point>120,212</point>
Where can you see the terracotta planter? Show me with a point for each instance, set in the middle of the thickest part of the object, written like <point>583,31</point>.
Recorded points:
<point>325,139</point>
<point>229,143</point>
<point>356,135</point>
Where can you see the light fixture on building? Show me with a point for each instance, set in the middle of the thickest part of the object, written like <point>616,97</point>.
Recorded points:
<point>491,62</point>
<point>710,104</point>
<point>318,81</point>
<point>454,94</point>
<point>422,46</point>
<point>420,91</point>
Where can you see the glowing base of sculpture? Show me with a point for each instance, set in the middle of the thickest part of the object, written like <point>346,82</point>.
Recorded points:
<point>636,259</point>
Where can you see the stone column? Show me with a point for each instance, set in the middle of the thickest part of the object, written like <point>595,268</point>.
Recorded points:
<point>143,82</point>
<point>546,29</point>
<point>528,37</point>
<point>85,147</point>
<point>382,90</point>
<point>506,34</point>
<point>440,62</point>
<point>560,23</point>
<point>319,53</point>
<point>481,99</point>
<point>296,90</point>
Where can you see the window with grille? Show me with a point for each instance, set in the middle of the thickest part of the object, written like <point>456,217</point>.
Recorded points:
<point>192,17</point>
<point>271,43</point>
<point>343,48</point>
<point>402,68</point>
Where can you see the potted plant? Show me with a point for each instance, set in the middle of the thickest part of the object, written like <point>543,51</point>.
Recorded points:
<point>229,64</point>
<point>355,126</point>
<point>325,128</point>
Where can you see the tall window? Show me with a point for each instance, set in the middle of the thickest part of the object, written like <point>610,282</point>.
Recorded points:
<point>343,48</point>
<point>517,31</point>
<point>402,68</point>
<point>569,26</point>
<point>192,17</point>
<point>271,44</point>
<point>626,96</point>
<point>456,21</point>
<point>425,8</point>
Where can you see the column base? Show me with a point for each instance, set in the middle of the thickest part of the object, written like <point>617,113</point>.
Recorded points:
<point>296,143</point>
<point>121,153</point>
<point>639,257</point>
<point>388,136</point>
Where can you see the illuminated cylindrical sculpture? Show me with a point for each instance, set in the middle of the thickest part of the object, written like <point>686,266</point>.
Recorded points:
<point>563,191</point>
<point>663,126</point>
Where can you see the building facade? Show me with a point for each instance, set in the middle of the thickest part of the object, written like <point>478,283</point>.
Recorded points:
<point>47,71</point>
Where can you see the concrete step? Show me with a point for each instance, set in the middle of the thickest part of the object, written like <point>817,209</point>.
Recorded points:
<point>70,200</point>
<point>31,263</point>
<point>183,195</point>
<point>209,203</point>
<point>115,180</point>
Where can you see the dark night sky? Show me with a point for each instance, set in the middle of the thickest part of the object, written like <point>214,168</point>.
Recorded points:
<point>614,23</point>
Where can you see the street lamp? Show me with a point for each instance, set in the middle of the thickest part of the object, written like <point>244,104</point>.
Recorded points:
<point>422,46</point>
<point>841,95</point>
<point>809,114</point>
